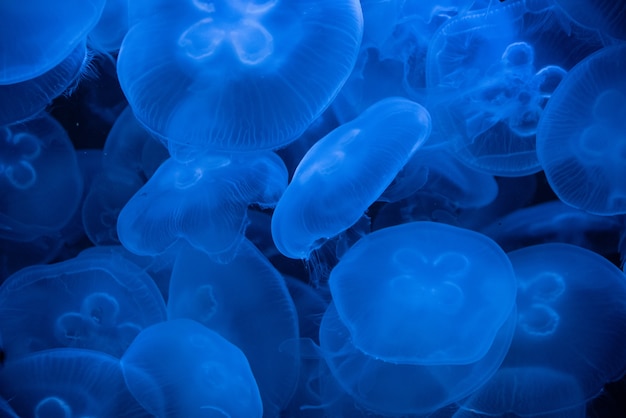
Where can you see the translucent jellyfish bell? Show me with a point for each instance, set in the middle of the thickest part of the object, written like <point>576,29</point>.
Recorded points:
<point>398,389</point>
<point>424,293</point>
<point>40,181</point>
<point>98,302</point>
<point>67,383</point>
<point>345,172</point>
<point>247,302</point>
<point>566,345</point>
<point>203,201</point>
<point>181,368</point>
<point>581,140</point>
<point>606,16</point>
<point>36,35</point>
<point>196,73</point>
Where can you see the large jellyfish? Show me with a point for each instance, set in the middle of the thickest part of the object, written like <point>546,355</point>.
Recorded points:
<point>40,183</point>
<point>100,302</point>
<point>568,341</point>
<point>581,138</point>
<point>237,75</point>
<point>180,368</point>
<point>424,293</point>
<point>247,302</point>
<point>345,172</point>
<point>68,383</point>
<point>203,201</point>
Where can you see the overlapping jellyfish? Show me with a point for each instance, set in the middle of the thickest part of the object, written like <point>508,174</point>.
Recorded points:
<point>422,315</point>
<point>236,75</point>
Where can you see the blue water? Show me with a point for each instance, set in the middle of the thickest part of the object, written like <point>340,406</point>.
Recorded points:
<point>313,208</point>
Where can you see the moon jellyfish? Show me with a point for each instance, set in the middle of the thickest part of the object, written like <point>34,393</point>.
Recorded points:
<point>247,302</point>
<point>485,71</point>
<point>345,172</point>
<point>400,284</point>
<point>39,179</point>
<point>67,383</point>
<point>37,35</point>
<point>581,139</point>
<point>391,388</point>
<point>112,26</point>
<point>237,75</point>
<point>566,345</point>
<point>555,221</point>
<point>181,368</point>
<point>203,201</point>
<point>99,302</point>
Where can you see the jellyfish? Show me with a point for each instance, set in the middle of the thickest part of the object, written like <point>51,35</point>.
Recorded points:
<point>554,221</point>
<point>580,140</point>
<point>197,74</point>
<point>6,411</point>
<point>399,389</point>
<point>181,368</point>
<point>39,178</point>
<point>247,302</point>
<point>203,202</point>
<point>435,274</point>
<point>566,345</point>
<point>37,35</point>
<point>484,72</point>
<point>67,383</point>
<point>345,172</point>
<point>98,302</point>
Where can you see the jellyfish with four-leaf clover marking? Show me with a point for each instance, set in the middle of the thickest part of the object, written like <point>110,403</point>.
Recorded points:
<point>237,75</point>
<point>422,315</point>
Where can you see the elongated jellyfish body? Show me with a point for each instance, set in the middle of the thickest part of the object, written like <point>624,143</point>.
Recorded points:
<point>345,172</point>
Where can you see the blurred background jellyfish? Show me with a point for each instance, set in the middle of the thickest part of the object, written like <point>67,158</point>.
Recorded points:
<point>345,172</point>
<point>181,368</point>
<point>198,73</point>
<point>486,74</point>
<point>605,16</point>
<point>130,157</point>
<point>98,302</point>
<point>67,383</point>
<point>40,182</point>
<point>581,139</point>
<point>247,302</point>
<point>565,346</point>
<point>203,201</point>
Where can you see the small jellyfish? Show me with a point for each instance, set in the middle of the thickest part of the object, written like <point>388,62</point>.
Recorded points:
<point>181,368</point>
<point>345,172</point>
<point>581,138</point>
<point>40,182</point>
<point>99,302</point>
<point>68,383</point>
<point>203,201</point>
<point>424,293</point>
<point>247,302</point>
<point>197,73</point>
<point>566,347</point>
